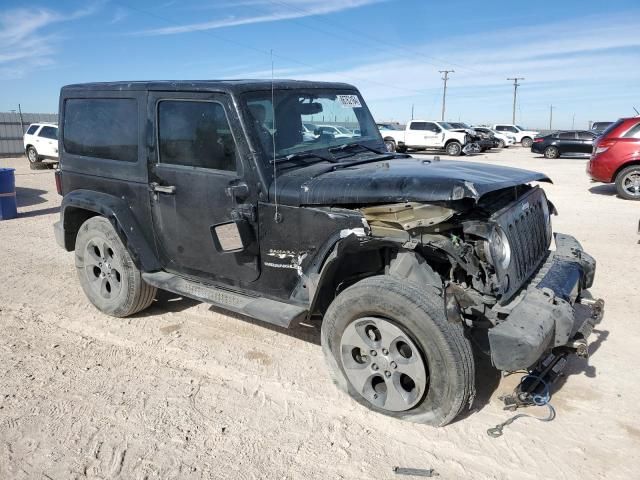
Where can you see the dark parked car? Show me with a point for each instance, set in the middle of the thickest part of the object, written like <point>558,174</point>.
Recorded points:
<point>616,157</point>
<point>599,127</point>
<point>409,264</point>
<point>575,144</point>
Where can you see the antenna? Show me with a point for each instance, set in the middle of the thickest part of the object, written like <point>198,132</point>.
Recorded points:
<point>277,217</point>
<point>637,112</point>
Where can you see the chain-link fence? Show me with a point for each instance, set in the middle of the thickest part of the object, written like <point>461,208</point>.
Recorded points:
<point>12,128</point>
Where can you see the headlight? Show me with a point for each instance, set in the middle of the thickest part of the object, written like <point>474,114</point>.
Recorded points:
<point>498,249</point>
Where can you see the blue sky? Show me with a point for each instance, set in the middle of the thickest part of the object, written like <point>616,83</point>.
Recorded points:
<point>582,56</point>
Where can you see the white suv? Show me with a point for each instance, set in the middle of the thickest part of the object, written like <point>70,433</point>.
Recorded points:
<point>41,143</point>
<point>523,136</point>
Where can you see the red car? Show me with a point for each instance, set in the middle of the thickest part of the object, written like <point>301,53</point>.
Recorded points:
<point>616,157</point>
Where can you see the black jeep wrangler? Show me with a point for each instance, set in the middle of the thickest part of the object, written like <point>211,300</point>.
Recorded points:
<point>215,190</point>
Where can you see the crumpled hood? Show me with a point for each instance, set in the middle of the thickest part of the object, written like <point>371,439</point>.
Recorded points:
<point>395,181</point>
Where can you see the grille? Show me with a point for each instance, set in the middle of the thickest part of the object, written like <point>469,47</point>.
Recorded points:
<point>524,224</point>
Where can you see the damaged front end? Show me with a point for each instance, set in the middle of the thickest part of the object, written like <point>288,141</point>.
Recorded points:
<point>520,299</point>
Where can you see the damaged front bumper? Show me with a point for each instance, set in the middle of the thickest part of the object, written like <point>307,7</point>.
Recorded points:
<point>554,311</point>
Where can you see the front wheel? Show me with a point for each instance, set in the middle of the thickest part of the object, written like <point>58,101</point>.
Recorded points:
<point>390,145</point>
<point>527,142</point>
<point>500,143</point>
<point>390,347</point>
<point>454,149</point>
<point>628,183</point>
<point>107,274</point>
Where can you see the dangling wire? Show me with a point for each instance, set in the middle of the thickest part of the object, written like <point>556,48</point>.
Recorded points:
<point>537,399</point>
<point>273,141</point>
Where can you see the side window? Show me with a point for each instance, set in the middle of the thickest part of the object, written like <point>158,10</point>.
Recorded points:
<point>634,132</point>
<point>511,129</point>
<point>500,128</point>
<point>567,136</point>
<point>102,127</point>
<point>432,127</point>
<point>418,126</point>
<point>195,134</point>
<point>585,136</point>
<point>32,129</point>
<point>49,132</point>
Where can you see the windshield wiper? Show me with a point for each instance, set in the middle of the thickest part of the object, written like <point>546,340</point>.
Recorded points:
<point>301,156</point>
<point>351,146</point>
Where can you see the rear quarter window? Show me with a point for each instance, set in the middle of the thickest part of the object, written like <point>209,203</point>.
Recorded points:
<point>634,132</point>
<point>102,128</point>
<point>32,129</point>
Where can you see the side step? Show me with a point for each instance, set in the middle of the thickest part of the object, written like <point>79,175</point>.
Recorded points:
<point>270,311</point>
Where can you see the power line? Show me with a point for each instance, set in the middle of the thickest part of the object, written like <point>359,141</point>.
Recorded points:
<point>444,90</point>
<point>411,53</point>
<point>266,52</point>
<point>515,94</point>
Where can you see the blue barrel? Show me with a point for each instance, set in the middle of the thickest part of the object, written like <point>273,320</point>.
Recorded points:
<point>8,206</point>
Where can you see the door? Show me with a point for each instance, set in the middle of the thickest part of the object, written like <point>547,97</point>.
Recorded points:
<point>203,211</point>
<point>568,143</point>
<point>422,134</point>
<point>585,142</point>
<point>47,141</point>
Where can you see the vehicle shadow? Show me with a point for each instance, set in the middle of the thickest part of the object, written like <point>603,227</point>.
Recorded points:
<point>167,302</point>
<point>604,189</point>
<point>307,331</point>
<point>37,213</point>
<point>25,197</point>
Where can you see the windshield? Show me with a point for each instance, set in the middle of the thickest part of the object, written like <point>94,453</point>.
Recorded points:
<point>520,128</point>
<point>324,112</point>
<point>446,125</point>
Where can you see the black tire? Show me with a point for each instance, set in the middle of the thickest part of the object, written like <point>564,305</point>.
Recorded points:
<point>35,161</point>
<point>420,314</point>
<point>551,152</point>
<point>108,276</point>
<point>390,145</point>
<point>453,148</point>
<point>501,144</point>
<point>628,183</point>
<point>527,142</point>
<point>401,149</point>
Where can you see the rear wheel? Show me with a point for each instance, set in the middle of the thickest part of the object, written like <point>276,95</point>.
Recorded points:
<point>628,183</point>
<point>390,347</point>
<point>527,142</point>
<point>551,152</point>
<point>454,149</point>
<point>107,273</point>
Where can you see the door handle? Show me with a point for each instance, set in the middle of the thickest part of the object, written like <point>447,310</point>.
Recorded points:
<point>167,189</point>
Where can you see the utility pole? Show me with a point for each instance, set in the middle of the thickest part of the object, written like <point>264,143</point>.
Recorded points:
<point>515,95</point>
<point>444,91</point>
<point>573,122</point>
<point>550,117</point>
<point>412,105</point>
<point>21,122</point>
<point>590,123</point>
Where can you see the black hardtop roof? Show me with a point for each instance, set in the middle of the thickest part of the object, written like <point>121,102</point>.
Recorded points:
<point>230,86</point>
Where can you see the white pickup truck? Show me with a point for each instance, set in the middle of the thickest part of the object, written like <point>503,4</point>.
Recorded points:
<point>424,135</point>
<point>523,136</point>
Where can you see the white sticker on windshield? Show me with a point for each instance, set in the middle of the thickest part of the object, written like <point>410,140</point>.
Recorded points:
<point>349,101</point>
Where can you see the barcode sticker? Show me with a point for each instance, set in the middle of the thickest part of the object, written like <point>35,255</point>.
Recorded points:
<point>349,101</point>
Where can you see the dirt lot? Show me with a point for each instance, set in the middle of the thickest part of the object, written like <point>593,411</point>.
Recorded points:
<point>184,391</point>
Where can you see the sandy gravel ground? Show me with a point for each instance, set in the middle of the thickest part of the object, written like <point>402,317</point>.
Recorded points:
<point>186,392</point>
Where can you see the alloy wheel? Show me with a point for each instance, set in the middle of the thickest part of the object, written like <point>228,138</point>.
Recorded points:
<point>383,364</point>
<point>102,268</point>
<point>631,183</point>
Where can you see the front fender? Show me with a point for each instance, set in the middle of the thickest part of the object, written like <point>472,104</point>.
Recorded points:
<point>79,205</point>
